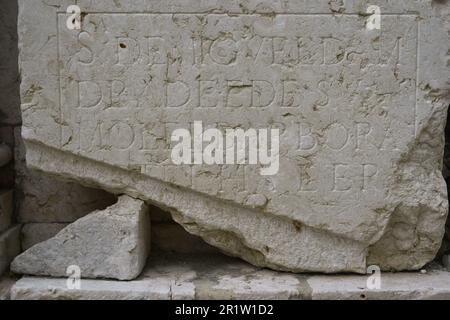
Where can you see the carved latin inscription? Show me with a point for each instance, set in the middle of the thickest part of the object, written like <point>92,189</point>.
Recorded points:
<point>130,80</point>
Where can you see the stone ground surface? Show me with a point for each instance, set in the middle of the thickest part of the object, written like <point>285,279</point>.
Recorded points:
<point>219,277</point>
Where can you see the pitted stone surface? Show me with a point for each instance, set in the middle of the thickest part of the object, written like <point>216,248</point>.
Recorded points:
<point>361,115</point>
<point>113,243</point>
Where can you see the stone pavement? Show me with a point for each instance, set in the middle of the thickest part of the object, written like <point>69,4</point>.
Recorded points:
<point>186,277</point>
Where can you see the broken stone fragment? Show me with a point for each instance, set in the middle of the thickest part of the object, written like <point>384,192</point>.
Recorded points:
<point>113,243</point>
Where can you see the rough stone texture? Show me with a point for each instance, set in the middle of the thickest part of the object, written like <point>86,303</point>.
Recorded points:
<point>166,235</point>
<point>113,243</point>
<point>184,277</point>
<point>9,247</point>
<point>180,277</point>
<point>6,209</point>
<point>29,288</point>
<point>361,115</point>
<point>34,233</point>
<point>433,285</point>
<point>41,198</point>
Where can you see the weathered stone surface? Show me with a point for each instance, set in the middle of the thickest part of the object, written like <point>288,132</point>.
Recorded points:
<point>34,233</point>
<point>9,247</point>
<point>433,285</point>
<point>166,236</point>
<point>361,115</point>
<point>113,243</point>
<point>41,198</point>
<point>181,277</point>
<point>32,288</point>
<point>6,209</point>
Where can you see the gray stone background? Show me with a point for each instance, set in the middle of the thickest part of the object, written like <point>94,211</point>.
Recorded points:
<point>40,205</point>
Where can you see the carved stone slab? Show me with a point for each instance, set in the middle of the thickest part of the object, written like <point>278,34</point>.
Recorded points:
<point>359,110</point>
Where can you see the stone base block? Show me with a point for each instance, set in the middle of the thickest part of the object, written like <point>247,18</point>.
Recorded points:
<point>186,277</point>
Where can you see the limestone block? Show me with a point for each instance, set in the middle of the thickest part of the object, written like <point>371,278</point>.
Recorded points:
<point>358,111</point>
<point>175,277</point>
<point>41,198</point>
<point>181,277</point>
<point>6,209</point>
<point>9,247</point>
<point>32,288</point>
<point>34,233</point>
<point>113,243</point>
<point>394,286</point>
